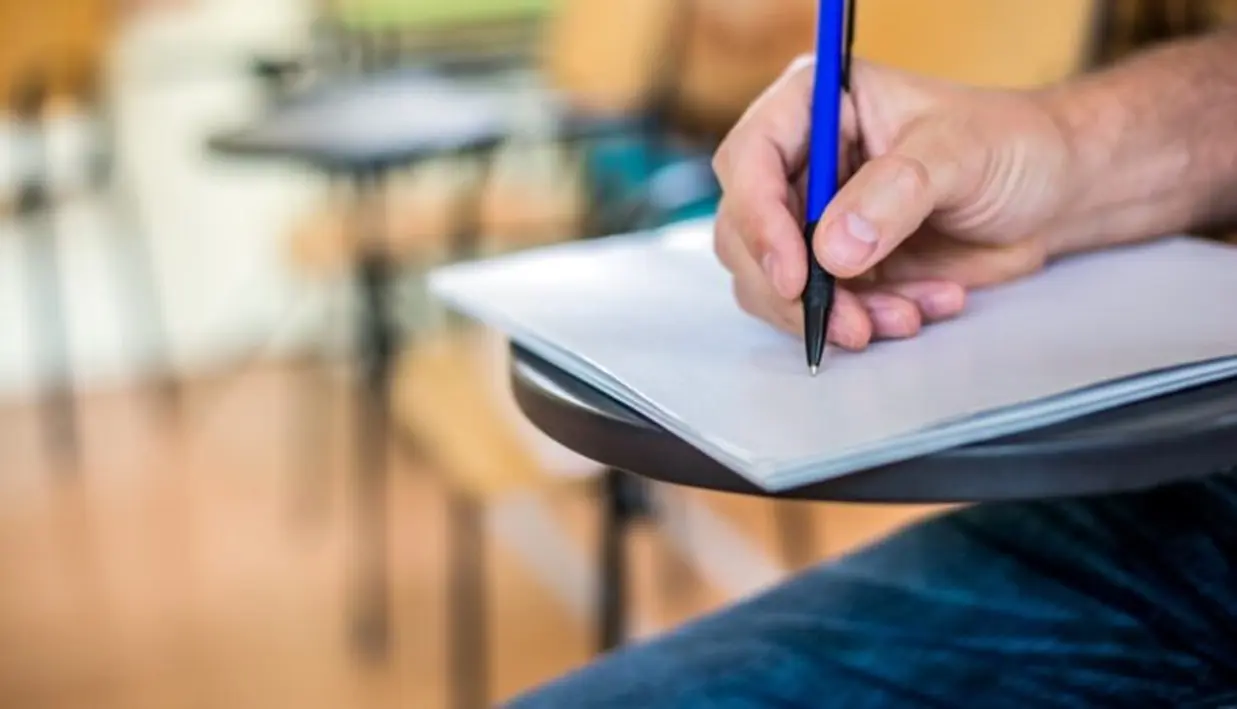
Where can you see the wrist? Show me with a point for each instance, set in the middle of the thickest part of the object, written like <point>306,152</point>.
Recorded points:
<point>1088,130</point>
<point>1151,148</point>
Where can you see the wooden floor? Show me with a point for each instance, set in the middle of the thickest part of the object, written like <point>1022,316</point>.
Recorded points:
<point>191,562</point>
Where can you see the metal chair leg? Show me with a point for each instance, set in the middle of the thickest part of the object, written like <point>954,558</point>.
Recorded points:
<point>618,508</point>
<point>49,328</point>
<point>469,609</point>
<point>310,445</point>
<point>373,620</point>
<point>311,441</point>
<point>47,319</point>
<point>134,264</point>
<point>796,531</point>
<point>137,275</point>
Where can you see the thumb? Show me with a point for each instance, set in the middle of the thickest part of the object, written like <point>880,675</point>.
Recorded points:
<point>887,200</point>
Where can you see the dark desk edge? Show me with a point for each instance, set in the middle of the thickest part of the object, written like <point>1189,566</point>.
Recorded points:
<point>237,143</point>
<point>1051,463</point>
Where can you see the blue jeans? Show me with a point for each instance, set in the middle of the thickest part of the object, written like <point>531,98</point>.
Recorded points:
<point>1122,601</point>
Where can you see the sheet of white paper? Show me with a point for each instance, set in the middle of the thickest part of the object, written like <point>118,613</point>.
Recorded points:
<point>650,320</point>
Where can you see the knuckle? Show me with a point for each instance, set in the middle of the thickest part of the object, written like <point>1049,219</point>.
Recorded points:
<point>740,296</point>
<point>730,240</point>
<point>743,295</point>
<point>801,63</point>
<point>748,230</point>
<point>909,175</point>
<point>732,152</point>
<point>719,248</point>
<point>723,246</point>
<point>1024,258</point>
<point>747,221</point>
<point>721,158</point>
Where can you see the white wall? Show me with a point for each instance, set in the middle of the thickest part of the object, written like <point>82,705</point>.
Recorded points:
<point>216,226</point>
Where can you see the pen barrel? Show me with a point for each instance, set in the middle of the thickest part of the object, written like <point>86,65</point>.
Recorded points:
<point>825,148</point>
<point>820,283</point>
<point>824,162</point>
<point>817,302</point>
<point>819,291</point>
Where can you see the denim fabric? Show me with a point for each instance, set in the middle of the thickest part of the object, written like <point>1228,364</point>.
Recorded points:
<point>1122,601</point>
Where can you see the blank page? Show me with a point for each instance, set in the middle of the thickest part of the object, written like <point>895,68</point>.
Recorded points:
<point>650,320</point>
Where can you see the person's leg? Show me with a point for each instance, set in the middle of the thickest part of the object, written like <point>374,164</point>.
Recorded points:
<point>1124,601</point>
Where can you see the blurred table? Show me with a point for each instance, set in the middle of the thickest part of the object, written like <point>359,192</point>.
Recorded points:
<point>375,124</point>
<point>360,131</point>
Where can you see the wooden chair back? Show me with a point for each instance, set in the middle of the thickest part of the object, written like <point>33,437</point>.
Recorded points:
<point>1130,25</point>
<point>701,61</point>
<point>709,59</point>
<point>61,43</point>
<point>1006,43</point>
<point>732,51</point>
<point>608,56</point>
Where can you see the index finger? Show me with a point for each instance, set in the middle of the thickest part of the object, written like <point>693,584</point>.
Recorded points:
<point>757,166</point>
<point>778,121</point>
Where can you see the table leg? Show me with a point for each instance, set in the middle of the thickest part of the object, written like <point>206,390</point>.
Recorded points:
<point>311,441</point>
<point>469,653</point>
<point>137,274</point>
<point>617,511</point>
<point>796,529</point>
<point>377,340</point>
<point>469,616</point>
<point>311,449</point>
<point>47,318</point>
<point>136,270</point>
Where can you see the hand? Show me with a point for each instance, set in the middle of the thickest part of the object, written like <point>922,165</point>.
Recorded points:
<point>946,188</point>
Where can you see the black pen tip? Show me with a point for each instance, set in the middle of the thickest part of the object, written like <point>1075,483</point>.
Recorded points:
<point>817,319</point>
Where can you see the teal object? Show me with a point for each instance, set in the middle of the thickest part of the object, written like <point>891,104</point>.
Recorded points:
<point>622,167</point>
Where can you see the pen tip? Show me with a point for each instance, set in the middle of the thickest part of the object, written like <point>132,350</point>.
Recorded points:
<point>814,369</point>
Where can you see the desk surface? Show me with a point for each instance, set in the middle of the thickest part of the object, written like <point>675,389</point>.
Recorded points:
<point>1186,435</point>
<point>397,118</point>
<point>378,121</point>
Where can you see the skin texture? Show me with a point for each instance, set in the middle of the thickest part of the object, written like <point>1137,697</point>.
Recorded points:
<point>950,188</point>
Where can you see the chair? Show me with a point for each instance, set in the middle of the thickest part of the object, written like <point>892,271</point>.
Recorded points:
<point>53,59</point>
<point>1130,25</point>
<point>1011,43</point>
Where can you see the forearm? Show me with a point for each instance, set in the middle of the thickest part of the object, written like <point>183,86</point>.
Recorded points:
<point>1153,145</point>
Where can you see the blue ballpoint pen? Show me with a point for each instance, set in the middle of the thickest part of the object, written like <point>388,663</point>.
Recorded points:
<point>835,38</point>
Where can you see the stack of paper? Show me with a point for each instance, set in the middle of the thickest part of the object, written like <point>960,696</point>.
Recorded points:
<point>649,319</point>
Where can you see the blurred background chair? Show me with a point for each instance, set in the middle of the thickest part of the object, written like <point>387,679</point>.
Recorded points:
<point>1130,25</point>
<point>53,64</point>
<point>1020,43</point>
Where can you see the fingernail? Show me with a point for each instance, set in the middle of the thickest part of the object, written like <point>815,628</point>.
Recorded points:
<point>890,319</point>
<point>850,329</point>
<point>940,304</point>
<point>850,242</point>
<point>769,264</point>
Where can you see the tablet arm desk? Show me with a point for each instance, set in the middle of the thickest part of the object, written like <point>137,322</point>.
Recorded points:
<point>1184,435</point>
